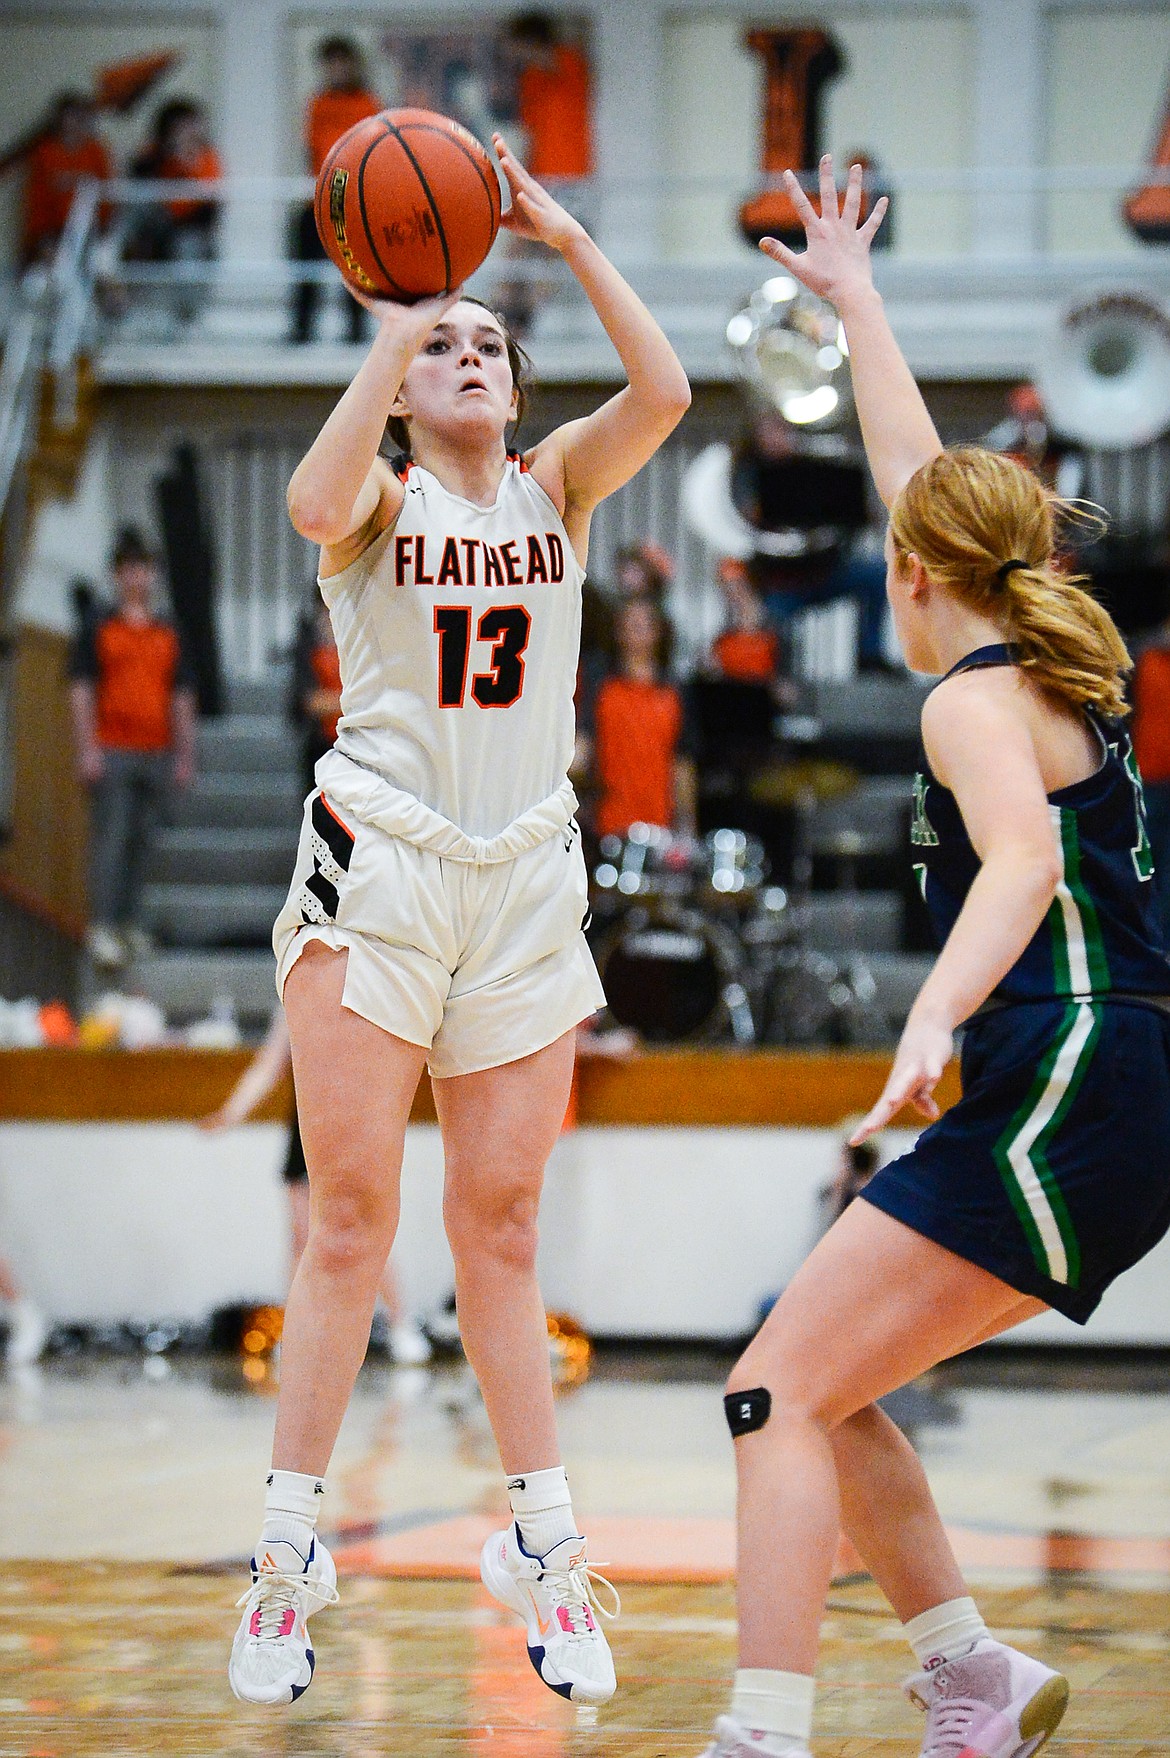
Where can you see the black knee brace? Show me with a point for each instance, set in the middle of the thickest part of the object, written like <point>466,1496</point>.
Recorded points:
<point>747,1411</point>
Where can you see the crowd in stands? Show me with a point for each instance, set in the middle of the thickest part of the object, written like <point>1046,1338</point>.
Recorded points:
<point>540,94</point>
<point>641,732</point>
<point>70,149</point>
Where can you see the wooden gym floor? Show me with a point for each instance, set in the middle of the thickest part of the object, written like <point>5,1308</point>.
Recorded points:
<point>129,1499</point>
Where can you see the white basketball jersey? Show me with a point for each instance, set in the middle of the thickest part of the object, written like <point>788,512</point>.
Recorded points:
<point>458,634</point>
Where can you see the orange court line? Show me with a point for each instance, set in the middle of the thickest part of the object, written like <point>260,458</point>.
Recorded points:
<point>692,1549</point>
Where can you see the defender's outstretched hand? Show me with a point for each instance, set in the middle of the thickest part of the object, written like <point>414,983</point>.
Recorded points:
<point>533,213</point>
<point>923,1053</point>
<point>895,423</point>
<point>836,261</point>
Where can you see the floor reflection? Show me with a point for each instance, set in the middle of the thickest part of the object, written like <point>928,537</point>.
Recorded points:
<point>116,1605</point>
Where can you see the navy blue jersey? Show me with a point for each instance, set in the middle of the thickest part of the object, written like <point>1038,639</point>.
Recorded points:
<point>1102,933</point>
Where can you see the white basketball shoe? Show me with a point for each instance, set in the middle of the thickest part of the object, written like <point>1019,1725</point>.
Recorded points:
<point>272,1661</point>
<point>991,1703</point>
<point>555,1596</point>
<point>733,1740</point>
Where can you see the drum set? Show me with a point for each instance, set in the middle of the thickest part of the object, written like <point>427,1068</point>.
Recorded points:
<point>695,946</point>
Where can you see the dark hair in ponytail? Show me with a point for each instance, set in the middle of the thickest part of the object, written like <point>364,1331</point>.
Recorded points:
<point>985,529</point>
<point>398,430</point>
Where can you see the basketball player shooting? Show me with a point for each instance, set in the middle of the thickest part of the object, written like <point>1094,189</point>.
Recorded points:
<point>1052,1174</point>
<point>436,907</point>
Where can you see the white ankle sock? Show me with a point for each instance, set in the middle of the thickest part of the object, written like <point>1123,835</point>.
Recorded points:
<point>945,1631</point>
<point>542,1508</point>
<point>775,1703</point>
<point>290,1509</point>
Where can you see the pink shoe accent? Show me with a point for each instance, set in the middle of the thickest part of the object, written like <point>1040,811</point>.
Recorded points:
<point>288,1622</point>
<point>254,1626</point>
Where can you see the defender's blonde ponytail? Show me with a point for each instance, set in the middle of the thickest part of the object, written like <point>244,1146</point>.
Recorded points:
<point>984,528</point>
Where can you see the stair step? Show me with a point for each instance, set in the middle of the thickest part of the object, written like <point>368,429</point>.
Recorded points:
<point>253,854</point>
<point>185,984</point>
<point>886,706</point>
<point>898,976</point>
<point>849,921</point>
<point>267,696</point>
<point>247,742</point>
<point>212,915</point>
<point>239,800</point>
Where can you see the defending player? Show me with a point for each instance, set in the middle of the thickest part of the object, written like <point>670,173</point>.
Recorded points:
<point>436,909</point>
<point>1052,1175</point>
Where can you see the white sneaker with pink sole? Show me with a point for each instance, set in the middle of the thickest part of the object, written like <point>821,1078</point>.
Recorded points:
<point>556,1597</point>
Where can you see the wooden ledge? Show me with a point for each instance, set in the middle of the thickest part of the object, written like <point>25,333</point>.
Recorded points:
<point>698,1088</point>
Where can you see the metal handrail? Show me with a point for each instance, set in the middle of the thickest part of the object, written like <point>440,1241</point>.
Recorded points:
<point>47,329</point>
<point>970,179</point>
<point>20,377</point>
<point>72,279</point>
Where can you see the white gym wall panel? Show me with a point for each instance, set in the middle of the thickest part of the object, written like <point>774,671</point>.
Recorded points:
<point>645,1232</point>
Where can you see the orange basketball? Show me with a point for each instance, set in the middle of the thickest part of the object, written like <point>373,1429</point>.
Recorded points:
<point>407,204</point>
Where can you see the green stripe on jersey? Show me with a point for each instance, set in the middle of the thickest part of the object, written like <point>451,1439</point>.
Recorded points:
<point>1021,1153</point>
<point>1080,965</point>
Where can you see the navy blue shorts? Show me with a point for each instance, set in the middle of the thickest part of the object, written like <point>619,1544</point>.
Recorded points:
<point>1053,1170</point>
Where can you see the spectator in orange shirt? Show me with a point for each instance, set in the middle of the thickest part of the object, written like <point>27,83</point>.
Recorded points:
<point>748,651</point>
<point>554,101</point>
<point>182,230</point>
<point>1151,744</point>
<point>343,100</point>
<point>69,151</point>
<point>641,763</point>
<point>553,110</point>
<point>640,569</point>
<point>133,710</point>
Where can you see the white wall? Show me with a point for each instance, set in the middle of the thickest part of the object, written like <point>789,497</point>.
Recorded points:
<point>1109,68</point>
<point>906,96</point>
<point>645,1232</point>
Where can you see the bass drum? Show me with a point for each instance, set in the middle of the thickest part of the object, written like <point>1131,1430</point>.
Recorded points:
<point>675,978</point>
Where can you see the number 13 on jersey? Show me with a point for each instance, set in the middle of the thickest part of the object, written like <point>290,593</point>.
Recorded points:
<point>506,628</point>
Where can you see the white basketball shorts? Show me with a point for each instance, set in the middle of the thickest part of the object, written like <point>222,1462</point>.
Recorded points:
<point>480,965</point>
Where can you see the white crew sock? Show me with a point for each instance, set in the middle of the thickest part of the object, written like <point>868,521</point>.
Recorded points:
<point>775,1703</point>
<point>542,1508</point>
<point>945,1631</point>
<point>290,1510</point>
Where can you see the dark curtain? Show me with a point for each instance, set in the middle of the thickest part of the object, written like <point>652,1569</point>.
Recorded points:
<point>191,570</point>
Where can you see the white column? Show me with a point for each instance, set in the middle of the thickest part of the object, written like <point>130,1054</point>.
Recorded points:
<point>252,125</point>
<point>1010,101</point>
<point>627,74</point>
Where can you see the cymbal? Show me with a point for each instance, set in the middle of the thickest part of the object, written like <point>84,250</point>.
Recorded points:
<point>789,784</point>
